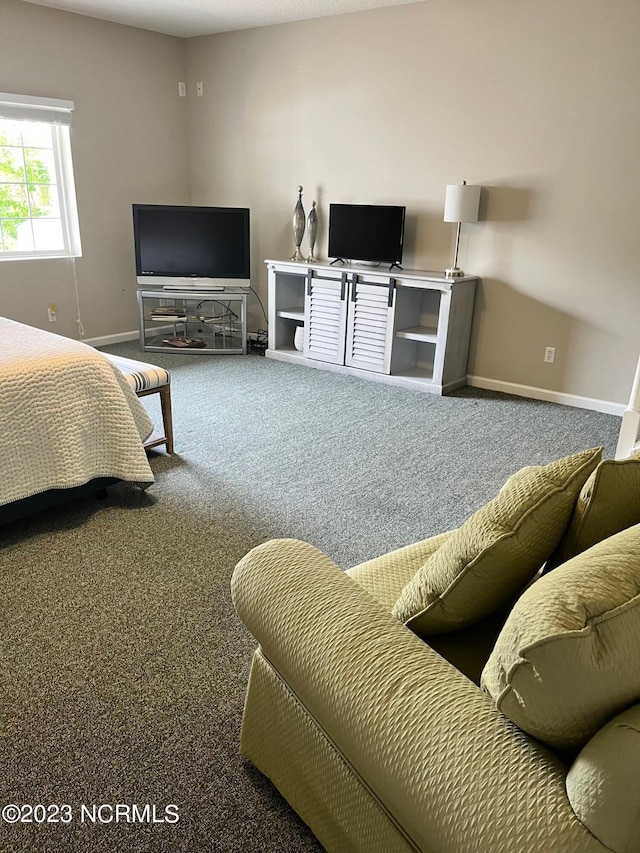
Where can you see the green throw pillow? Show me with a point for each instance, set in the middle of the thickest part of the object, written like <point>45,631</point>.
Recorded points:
<point>603,784</point>
<point>566,660</point>
<point>486,562</point>
<point>608,503</point>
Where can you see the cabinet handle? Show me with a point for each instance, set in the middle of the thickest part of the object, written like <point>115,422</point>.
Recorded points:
<point>343,282</point>
<point>354,281</point>
<point>392,287</point>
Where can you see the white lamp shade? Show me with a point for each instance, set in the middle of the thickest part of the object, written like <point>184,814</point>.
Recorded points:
<point>461,203</point>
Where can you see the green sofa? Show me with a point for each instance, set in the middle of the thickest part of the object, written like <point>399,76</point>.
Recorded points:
<point>444,698</point>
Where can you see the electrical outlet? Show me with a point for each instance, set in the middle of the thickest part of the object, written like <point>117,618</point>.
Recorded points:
<point>52,311</point>
<point>550,355</point>
<point>199,89</point>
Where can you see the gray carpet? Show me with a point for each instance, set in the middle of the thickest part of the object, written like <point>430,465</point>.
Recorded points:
<point>123,664</point>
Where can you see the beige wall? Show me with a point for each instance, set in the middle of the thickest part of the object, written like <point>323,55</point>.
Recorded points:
<point>129,145</point>
<point>537,102</point>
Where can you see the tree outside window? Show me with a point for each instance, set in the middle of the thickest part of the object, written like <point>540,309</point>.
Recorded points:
<point>28,188</point>
<point>38,216</point>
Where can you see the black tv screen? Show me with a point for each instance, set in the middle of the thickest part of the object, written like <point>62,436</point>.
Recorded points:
<point>174,241</point>
<point>366,232</point>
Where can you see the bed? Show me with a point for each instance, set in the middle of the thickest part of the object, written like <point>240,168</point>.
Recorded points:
<point>68,419</point>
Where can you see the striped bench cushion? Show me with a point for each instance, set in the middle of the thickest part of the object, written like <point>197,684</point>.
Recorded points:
<point>141,376</point>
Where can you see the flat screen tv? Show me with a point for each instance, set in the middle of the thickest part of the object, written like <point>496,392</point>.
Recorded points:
<point>372,233</point>
<point>177,244</point>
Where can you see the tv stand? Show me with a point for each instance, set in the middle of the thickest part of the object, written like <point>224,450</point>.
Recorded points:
<point>405,327</point>
<point>199,321</point>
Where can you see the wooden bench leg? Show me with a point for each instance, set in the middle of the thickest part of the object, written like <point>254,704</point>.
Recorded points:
<point>167,419</point>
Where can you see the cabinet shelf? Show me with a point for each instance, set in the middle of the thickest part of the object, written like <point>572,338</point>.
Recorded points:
<point>291,314</point>
<point>422,374</point>
<point>419,333</point>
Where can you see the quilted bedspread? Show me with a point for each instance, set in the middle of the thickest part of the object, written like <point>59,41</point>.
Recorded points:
<point>66,415</point>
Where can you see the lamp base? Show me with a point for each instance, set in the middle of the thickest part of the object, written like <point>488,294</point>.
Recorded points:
<point>453,272</point>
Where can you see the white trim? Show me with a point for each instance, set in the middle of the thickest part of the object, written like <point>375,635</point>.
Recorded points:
<point>107,340</point>
<point>34,100</point>
<point>549,396</point>
<point>33,108</point>
<point>65,190</point>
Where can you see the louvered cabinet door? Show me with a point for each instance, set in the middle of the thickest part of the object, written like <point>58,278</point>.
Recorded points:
<point>325,318</point>
<point>370,326</point>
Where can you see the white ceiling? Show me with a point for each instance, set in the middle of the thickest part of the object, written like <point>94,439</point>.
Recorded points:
<point>187,18</point>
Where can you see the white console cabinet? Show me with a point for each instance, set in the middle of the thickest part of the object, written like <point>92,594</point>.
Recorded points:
<point>404,327</point>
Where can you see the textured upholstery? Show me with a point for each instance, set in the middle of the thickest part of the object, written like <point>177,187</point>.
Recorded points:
<point>423,742</point>
<point>608,502</point>
<point>488,560</point>
<point>140,375</point>
<point>385,577</point>
<point>566,660</point>
<point>283,741</point>
<point>604,783</point>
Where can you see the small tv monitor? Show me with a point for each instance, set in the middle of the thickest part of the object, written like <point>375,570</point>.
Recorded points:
<point>175,243</point>
<point>372,233</point>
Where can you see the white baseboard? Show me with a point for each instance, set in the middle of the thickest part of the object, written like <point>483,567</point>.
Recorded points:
<point>107,340</point>
<point>534,393</point>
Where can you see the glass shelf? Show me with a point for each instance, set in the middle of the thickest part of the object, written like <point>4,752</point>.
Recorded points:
<point>193,322</point>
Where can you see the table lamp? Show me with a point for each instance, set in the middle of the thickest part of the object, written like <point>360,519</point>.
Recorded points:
<point>460,205</point>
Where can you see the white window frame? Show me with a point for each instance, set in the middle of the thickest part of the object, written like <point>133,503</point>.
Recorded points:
<point>58,114</point>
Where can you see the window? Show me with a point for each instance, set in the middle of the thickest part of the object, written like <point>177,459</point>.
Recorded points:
<point>38,214</point>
